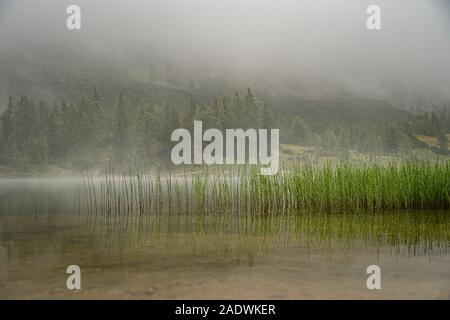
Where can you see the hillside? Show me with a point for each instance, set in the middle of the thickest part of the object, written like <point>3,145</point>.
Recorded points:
<point>318,113</point>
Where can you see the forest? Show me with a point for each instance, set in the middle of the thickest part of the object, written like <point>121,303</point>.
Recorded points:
<point>83,133</point>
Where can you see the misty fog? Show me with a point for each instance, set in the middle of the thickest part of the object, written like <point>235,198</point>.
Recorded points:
<point>301,47</point>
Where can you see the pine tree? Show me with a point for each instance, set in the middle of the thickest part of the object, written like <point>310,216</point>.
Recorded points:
<point>7,139</point>
<point>391,139</point>
<point>405,145</point>
<point>55,138</point>
<point>301,132</point>
<point>220,114</point>
<point>268,117</point>
<point>435,124</point>
<point>329,141</point>
<point>96,95</point>
<point>442,140</point>
<point>122,130</point>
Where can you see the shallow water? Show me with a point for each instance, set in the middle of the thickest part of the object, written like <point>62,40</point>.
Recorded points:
<point>285,255</point>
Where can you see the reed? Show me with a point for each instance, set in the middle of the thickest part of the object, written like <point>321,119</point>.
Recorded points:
<point>344,187</point>
<point>411,233</point>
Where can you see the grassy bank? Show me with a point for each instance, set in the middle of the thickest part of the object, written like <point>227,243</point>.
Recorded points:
<point>326,188</point>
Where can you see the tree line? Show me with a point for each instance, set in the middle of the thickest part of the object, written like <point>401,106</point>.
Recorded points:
<point>80,133</point>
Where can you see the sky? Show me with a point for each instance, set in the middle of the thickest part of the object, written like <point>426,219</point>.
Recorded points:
<point>325,42</point>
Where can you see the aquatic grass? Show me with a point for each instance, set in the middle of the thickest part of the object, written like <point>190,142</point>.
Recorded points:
<point>344,187</point>
<point>411,233</point>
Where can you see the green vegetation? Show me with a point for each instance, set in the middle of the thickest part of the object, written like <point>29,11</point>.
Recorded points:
<point>409,233</point>
<point>90,132</point>
<point>344,187</point>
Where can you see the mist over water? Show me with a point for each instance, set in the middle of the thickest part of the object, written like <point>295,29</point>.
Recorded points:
<point>307,48</point>
<point>87,176</point>
<point>210,255</point>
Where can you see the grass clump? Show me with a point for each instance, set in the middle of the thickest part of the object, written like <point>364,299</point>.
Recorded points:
<point>344,187</point>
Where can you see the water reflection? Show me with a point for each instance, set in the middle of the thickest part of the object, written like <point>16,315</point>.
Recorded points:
<point>39,241</point>
<point>46,208</point>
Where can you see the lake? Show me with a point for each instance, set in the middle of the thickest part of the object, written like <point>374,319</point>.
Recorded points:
<point>46,225</point>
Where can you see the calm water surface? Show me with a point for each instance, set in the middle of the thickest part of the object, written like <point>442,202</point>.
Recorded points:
<point>287,255</point>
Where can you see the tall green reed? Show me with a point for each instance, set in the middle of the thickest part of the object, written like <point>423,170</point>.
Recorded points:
<point>344,187</point>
